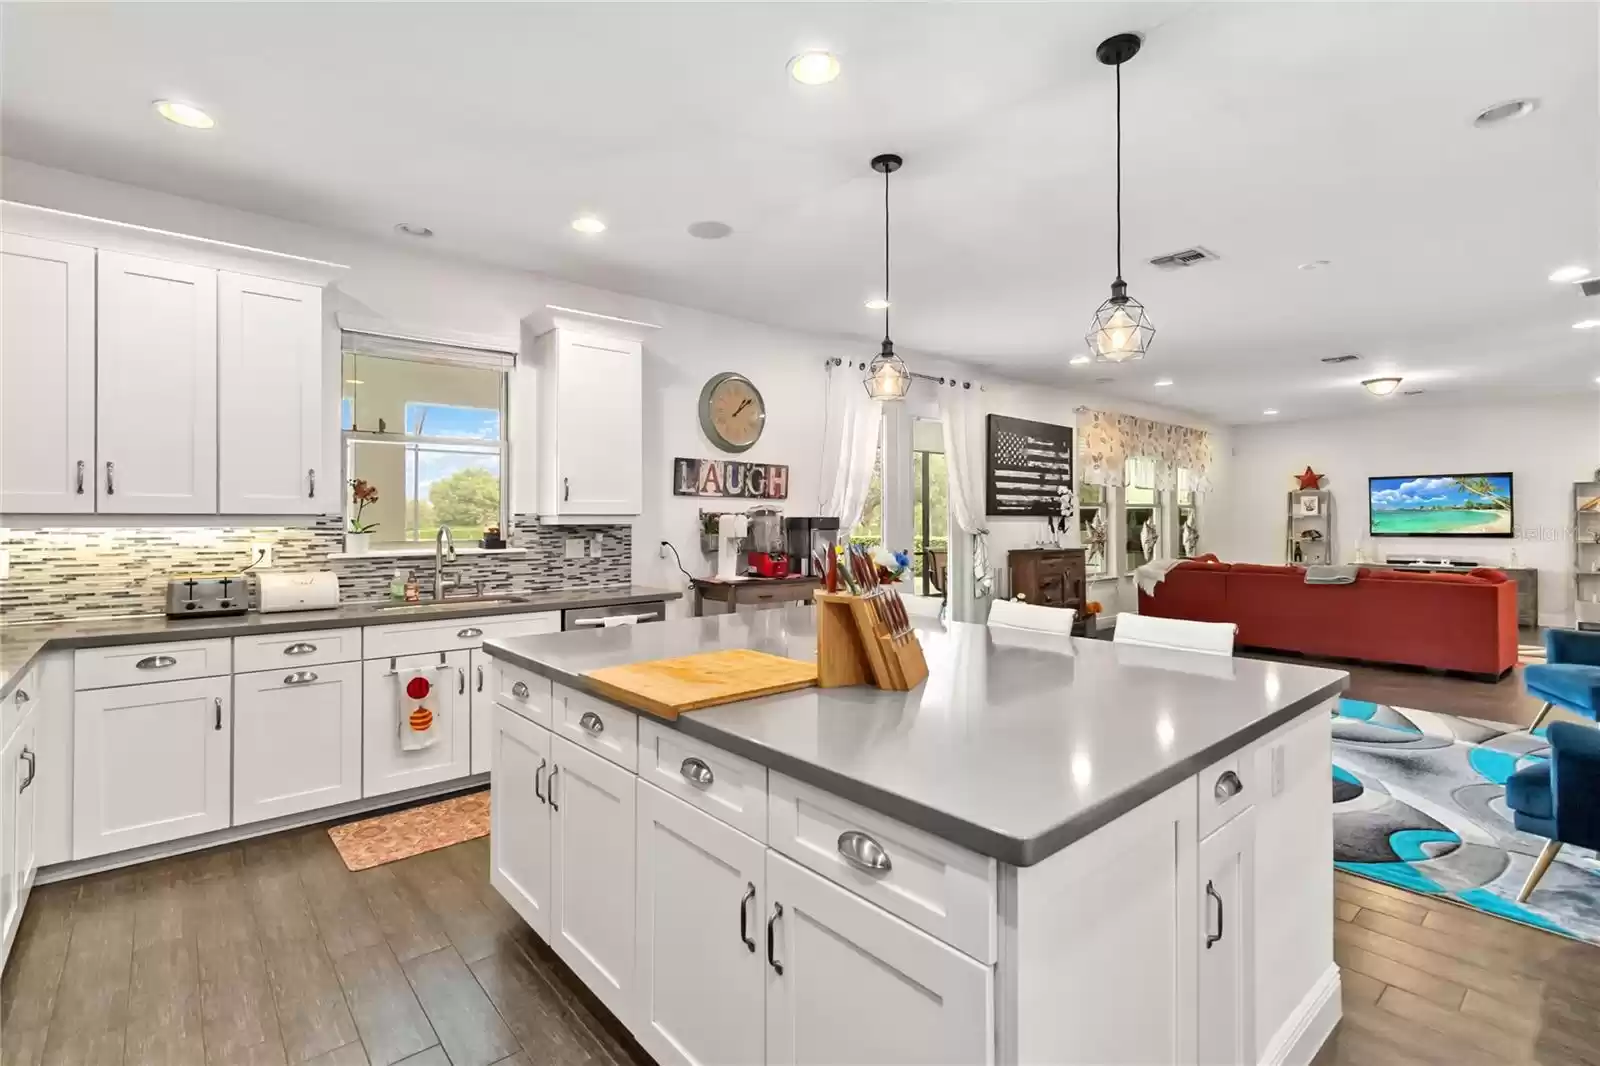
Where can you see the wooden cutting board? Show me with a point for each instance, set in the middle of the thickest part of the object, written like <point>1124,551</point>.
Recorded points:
<point>668,687</point>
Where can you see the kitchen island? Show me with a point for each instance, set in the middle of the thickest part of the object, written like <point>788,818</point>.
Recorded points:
<point>1052,850</point>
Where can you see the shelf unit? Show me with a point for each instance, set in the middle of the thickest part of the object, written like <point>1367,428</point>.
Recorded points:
<point>1586,553</point>
<point>1317,552</point>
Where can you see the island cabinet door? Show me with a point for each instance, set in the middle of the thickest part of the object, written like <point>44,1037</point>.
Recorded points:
<point>701,893</point>
<point>848,982</point>
<point>1227,942</point>
<point>519,818</point>
<point>593,848</point>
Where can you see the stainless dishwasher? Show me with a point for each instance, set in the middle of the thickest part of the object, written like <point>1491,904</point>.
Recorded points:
<point>620,614</point>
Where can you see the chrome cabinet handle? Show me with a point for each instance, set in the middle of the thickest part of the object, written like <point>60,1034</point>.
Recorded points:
<point>480,679</point>
<point>1228,786</point>
<point>311,484</point>
<point>300,677</point>
<point>461,681</point>
<point>744,915</point>
<point>696,772</point>
<point>538,777</point>
<point>469,632</point>
<point>300,648</point>
<point>772,958</point>
<point>111,483</point>
<point>520,690</point>
<point>592,723</point>
<point>566,488</point>
<point>33,769</point>
<point>550,787</point>
<point>864,853</point>
<point>80,477</point>
<point>1212,938</point>
<point>155,662</point>
<point>217,701</point>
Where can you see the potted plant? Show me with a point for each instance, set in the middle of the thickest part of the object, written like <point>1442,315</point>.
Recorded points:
<point>359,537</point>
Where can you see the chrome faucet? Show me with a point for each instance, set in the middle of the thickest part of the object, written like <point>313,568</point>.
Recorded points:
<point>444,551</point>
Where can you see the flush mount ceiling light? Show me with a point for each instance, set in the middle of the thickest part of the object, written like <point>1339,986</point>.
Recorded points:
<point>1570,273</point>
<point>588,224</point>
<point>887,377</point>
<point>1270,411</point>
<point>1162,383</point>
<point>412,230</point>
<point>1509,111</point>
<point>710,230</point>
<point>1121,331</point>
<point>814,68</point>
<point>877,303</point>
<point>184,114</point>
<point>1588,323</point>
<point>1381,386</point>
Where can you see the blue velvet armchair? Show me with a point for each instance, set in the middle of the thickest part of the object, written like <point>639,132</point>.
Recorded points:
<point>1559,799</point>
<point>1570,675</point>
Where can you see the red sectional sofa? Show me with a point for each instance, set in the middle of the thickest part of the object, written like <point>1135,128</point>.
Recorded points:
<point>1465,622</point>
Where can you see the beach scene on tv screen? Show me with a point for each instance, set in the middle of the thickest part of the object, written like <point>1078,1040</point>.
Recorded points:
<point>1466,505</point>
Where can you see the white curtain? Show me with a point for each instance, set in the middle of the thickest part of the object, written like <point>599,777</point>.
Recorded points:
<point>970,582</point>
<point>852,425</point>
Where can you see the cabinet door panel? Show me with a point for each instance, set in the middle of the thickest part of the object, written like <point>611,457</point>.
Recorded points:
<point>701,895</point>
<point>599,385</point>
<point>298,743</point>
<point>592,872</point>
<point>157,387</point>
<point>1227,942</point>
<point>26,767</point>
<point>10,906</point>
<point>480,682</point>
<point>269,373</point>
<point>519,818</point>
<point>386,767</point>
<point>150,763</point>
<point>859,985</point>
<point>47,377</point>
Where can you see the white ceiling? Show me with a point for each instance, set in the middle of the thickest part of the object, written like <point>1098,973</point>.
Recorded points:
<point>1272,134</point>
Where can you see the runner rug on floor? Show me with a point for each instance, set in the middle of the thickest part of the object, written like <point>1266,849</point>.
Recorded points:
<point>402,834</point>
<point>1419,802</point>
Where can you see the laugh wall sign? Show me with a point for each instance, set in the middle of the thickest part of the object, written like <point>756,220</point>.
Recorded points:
<point>730,478</point>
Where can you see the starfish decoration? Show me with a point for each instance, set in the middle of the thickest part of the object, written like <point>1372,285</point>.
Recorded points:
<point>1310,479</point>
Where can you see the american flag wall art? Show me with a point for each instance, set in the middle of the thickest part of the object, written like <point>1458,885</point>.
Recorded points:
<point>1029,466</point>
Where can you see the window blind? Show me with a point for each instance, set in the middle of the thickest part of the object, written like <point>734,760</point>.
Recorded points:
<point>364,343</point>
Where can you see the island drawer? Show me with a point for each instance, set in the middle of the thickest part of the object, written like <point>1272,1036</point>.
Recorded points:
<point>309,648</point>
<point>937,886</point>
<point>609,731</point>
<point>1227,787</point>
<point>728,787</point>
<point>140,664</point>
<point>520,690</point>
<point>454,634</point>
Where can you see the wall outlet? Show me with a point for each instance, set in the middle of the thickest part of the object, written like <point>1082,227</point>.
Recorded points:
<point>597,545</point>
<point>1277,769</point>
<point>661,552</point>
<point>575,547</point>
<point>261,554</point>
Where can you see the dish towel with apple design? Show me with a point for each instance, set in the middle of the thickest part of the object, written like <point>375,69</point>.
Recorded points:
<point>418,710</point>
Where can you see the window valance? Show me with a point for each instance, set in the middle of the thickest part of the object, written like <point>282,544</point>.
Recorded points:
<point>1107,439</point>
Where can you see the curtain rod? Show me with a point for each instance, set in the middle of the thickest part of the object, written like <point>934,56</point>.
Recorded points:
<point>939,380</point>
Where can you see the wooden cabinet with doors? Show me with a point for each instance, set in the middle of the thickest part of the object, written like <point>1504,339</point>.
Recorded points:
<point>589,425</point>
<point>1049,577</point>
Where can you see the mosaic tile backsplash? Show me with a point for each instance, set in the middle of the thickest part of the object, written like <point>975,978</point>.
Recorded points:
<point>73,573</point>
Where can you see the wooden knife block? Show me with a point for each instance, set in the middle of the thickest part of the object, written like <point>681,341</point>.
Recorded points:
<point>854,648</point>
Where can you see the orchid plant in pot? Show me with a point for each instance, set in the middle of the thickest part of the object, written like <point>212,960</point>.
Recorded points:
<point>359,536</point>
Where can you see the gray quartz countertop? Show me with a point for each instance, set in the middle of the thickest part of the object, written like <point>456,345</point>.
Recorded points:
<point>20,645</point>
<point>1017,744</point>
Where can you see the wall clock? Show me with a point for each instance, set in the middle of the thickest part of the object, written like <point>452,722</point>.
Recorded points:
<point>732,412</point>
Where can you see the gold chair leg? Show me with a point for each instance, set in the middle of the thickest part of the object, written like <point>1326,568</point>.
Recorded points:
<point>1540,865</point>
<point>1543,713</point>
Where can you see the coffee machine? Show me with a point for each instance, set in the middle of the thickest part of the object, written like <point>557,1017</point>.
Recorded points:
<point>804,538</point>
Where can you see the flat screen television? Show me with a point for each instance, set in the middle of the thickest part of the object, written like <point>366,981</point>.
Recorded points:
<point>1441,505</point>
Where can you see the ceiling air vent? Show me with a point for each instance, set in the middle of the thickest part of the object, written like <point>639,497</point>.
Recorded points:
<point>1187,258</point>
<point>1346,358</point>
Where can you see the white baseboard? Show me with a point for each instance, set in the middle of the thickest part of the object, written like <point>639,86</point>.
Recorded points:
<point>66,871</point>
<point>1303,1033</point>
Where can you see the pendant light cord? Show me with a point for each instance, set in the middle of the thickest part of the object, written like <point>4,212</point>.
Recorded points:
<point>1119,171</point>
<point>886,254</point>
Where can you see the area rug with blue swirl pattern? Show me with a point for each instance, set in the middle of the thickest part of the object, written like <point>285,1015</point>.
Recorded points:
<point>1419,803</point>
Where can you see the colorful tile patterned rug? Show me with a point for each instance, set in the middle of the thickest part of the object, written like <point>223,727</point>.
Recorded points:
<point>1419,802</point>
<point>402,834</point>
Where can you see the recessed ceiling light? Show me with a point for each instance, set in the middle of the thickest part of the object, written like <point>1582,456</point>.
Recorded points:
<point>814,68</point>
<point>354,381</point>
<point>1270,411</point>
<point>1571,273</point>
<point>411,229</point>
<point>1079,360</point>
<point>1381,386</point>
<point>588,224</point>
<point>878,303</point>
<point>1588,323</point>
<point>1162,383</point>
<point>709,230</point>
<point>184,114</point>
<point>1506,112</point>
<point>1316,264</point>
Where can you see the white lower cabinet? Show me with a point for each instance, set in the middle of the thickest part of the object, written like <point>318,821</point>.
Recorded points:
<point>848,982</point>
<point>1227,945</point>
<point>298,743</point>
<point>386,766</point>
<point>519,817</point>
<point>592,847</point>
<point>19,769</point>
<point>700,904</point>
<point>481,680</point>
<point>150,763</point>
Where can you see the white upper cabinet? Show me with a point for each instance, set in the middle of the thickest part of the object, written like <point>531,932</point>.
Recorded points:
<point>46,376</point>
<point>269,377</point>
<point>157,387</point>
<point>590,409</point>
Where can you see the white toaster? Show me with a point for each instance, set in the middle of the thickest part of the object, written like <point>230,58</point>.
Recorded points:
<point>310,591</point>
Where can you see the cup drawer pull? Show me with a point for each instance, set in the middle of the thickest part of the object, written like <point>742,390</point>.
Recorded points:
<point>299,648</point>
<point>1227,786</point>
<point>520,690</point>
<point>155,662</point>
<point>696,772</point>
<point>592,723</point>
<point>864,853</point>
<point>469,633</point>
